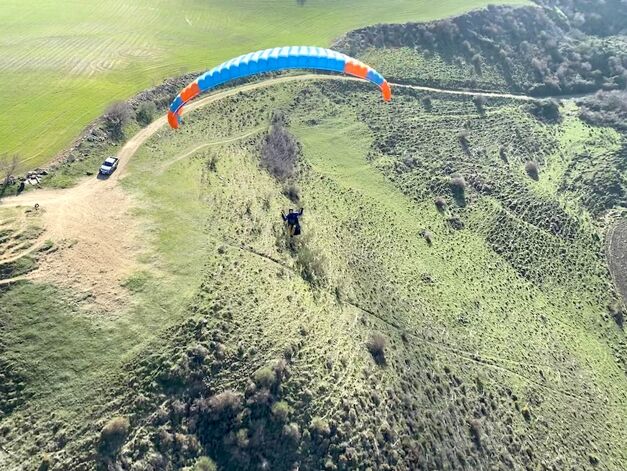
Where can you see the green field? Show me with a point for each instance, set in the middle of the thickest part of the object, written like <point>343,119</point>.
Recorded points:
<point>62,64</point>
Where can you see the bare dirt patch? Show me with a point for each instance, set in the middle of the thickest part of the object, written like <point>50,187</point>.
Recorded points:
<point>94,235</point>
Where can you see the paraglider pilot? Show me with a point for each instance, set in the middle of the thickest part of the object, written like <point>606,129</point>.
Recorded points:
<point>293,224</point>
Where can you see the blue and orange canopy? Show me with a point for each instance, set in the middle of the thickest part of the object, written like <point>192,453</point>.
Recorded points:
<point>272,60</point>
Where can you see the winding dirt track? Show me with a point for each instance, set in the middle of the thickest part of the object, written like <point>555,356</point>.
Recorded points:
<point>90,223</point>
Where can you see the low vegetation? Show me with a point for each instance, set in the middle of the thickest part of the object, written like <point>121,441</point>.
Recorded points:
<point>441,309</point>
<point>112,436</point>
<point>527,49</point>
<point>606,109</point>
<point>279,154</point>
<point>115,118</point>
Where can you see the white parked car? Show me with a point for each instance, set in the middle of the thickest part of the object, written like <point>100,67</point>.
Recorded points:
<point>109,166</point>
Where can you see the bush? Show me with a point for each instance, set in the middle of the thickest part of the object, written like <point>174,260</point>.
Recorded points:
<point>227,402</point>
<point>8,166</point>
<point>146,112</point>
<point>265,377</point>
<point>281,410</point>
<point>617,314</point>
<point>311,263</point>
<point>532,170</point>
<point>292,432</point>
<point>292,192</point>
<point>546,110</point>
<point>479,102</point>
<point>115,117</point>
<point>112,436</point>
<point>462,136</point>
<point>204,463</point>
<point>440,204</point>
<point>474,426</point>
<point>606,109</point>
<point>320,426</point>
<point>376,346</point>
<point>279,153</point>
<point>458,188</point>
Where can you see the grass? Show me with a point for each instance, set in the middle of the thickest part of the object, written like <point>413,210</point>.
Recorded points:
<point>61,66</point>
<point>477,351</point>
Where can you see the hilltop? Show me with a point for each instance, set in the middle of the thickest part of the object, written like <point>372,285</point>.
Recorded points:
<point>454,301</point>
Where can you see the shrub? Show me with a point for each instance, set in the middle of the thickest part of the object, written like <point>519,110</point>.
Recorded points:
<point>279,153</point>
<point>617,314</point>
<point>281,410</point>
<point>320,426</point>
<point>456,223</point>
<point>204,463</point>
<point>311,263</point>
<point>115,117</point>
<point>532,170</point>
<point>227,402</point>
<point>292,432</point>
<point>462,136</point>
<point>8,165</point>
<point>546,110</point>
<point>146,112</point>
<point>292,192</point>
<point>376,346</point>
<point>427,102</point>
<point>112,436</point>
<point>265,377</point>
<point>440,204</point>
<point>479,102</point>
<point>474,425</point>
<point>606,109</point>
<point>458,187</point>
<point>458,184</point>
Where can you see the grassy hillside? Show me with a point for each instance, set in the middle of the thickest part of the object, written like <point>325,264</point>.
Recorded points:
<point>392,335</point>
<point>60,65</point>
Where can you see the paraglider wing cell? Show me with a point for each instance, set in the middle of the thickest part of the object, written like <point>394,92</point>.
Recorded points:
<point>270,60</point>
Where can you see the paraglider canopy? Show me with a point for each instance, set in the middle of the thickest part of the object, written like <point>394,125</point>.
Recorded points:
<point>272,60</point>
